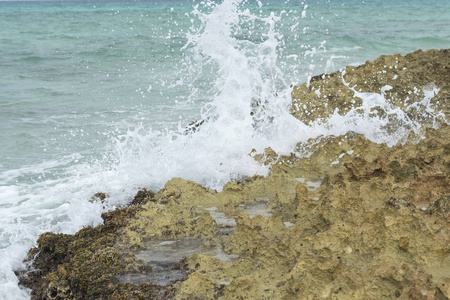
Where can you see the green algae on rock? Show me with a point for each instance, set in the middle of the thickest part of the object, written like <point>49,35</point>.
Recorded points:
<point>353,219</point>
<point>85,265</point>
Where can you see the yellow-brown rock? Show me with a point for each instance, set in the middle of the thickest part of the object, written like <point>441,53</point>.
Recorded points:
<point>352,220</point>
<point>402,79</point>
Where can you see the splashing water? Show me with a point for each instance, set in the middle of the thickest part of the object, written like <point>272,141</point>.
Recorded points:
<point>390,127</point>
<point>249,107</point>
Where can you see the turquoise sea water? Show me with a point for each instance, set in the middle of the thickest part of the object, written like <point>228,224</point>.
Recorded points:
<point>96,95</point>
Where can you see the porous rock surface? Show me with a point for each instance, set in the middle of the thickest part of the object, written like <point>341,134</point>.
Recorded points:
<point>352,220</point>
<point>403,80</point>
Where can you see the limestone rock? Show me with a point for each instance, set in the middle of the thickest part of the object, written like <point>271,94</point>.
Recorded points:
<point>402,80</point>
<point>351,220</point>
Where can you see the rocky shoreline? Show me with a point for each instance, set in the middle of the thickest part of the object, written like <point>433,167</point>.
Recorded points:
<point>352,220</point>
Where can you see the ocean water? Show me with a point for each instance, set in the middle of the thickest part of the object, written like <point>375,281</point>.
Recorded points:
<point>97,96</point>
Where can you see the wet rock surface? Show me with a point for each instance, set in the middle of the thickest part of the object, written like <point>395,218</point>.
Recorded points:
<point>351,220</point>
<point>403,80</point>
